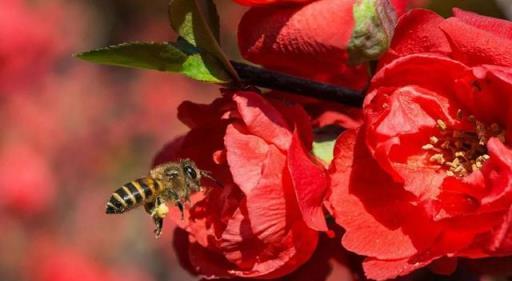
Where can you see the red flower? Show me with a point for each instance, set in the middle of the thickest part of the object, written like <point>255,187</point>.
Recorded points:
<point>428,177</point>
<point>329,262</point>
<point>309,40</point>
<point>262,223</point>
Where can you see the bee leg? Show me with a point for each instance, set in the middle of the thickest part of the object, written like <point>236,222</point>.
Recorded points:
<point>181,208</point>
<point>159,223</point>
<point>158,210</point>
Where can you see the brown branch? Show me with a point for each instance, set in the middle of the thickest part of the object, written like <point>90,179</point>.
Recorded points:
<point>274,80</point>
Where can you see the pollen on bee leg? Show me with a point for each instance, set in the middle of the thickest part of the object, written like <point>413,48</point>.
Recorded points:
<point>161,211</point>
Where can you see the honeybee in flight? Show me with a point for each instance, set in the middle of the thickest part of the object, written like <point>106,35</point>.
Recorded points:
<point>172,182</point>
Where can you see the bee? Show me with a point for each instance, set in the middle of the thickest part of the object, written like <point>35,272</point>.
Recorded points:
<point>172,182</point>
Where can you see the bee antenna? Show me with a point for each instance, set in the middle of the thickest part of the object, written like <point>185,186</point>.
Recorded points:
<point>207,174</point>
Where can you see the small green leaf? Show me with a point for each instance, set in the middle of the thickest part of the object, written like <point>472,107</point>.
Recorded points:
<point>161,57</point>
<point>189,21</point>
<point>325,139</point>
<point>324,150</point>
<point>204,67</point>
<point>157,56</point>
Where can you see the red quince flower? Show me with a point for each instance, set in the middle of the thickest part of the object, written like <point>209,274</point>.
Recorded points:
<point>317,39</point>
<point>329,262</point>
<point>263,221</point>
<point>427,179</point>
<point>306,40</point>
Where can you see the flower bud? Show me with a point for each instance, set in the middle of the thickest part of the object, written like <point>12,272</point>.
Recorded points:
<point>375,21</point>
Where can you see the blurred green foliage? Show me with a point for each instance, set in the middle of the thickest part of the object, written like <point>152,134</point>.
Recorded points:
<point>487,7</point>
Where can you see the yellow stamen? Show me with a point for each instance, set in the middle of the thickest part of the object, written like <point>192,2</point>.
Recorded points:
<point>441,124</point>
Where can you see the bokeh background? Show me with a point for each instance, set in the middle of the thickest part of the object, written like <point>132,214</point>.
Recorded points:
<point>72,132</point>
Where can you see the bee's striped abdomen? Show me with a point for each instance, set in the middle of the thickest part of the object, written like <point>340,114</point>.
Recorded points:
<point>132,195</point>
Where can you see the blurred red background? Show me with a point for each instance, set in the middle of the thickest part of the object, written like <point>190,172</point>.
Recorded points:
<point>72,132</point>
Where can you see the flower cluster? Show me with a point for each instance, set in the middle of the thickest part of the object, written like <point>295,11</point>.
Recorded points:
<point>263,222</point>
<point>419,179</point>
<point>426,179</point>
<point>422,179</point>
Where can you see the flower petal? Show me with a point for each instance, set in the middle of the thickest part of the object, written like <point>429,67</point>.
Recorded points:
<point>475,46</point>
<point>310,183</point>
<point>246,155</point>
<point>409,70</point>
<point>296,118</point>
<point>396,136</point>
<point>309,40</point>
<point>418,32</point>
<point>372,208</point>
<point>485,92</point>
<point>262,119</point>
<point>389,269</point>
<point>499,27</point>
<point>267,232</point>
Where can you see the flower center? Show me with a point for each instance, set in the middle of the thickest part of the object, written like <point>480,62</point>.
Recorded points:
<point>462,151</point>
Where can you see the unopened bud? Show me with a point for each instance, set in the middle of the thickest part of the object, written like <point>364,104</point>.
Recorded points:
<point>375,22</point>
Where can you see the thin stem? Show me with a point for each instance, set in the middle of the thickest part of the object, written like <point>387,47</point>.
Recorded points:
<point>274,80</point>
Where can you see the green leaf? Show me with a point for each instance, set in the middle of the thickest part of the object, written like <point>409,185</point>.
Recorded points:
<point>324,150</point>
<point>161,57</point>
<point>324,141</point>
<point>204,67</point>
<point>157,56</point>
<point>189,21</point>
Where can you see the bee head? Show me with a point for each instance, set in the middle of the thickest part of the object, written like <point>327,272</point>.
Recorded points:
<point>192,174</point>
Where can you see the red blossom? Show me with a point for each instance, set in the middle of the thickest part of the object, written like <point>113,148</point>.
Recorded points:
<point>262,223</point>
<point>286,38</point>
<point>329,262</point>
<point>309,40</point>
<point>428,177</point>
